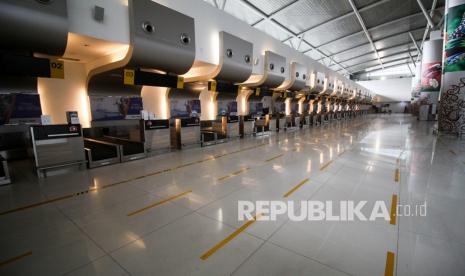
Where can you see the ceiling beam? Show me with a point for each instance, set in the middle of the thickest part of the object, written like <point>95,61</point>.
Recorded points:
<point>376,27</point>
<point>346,15</point>
<point>427,28</point>
<point>276,12</point>
<point>287,30</point>
<point>387,65</point>
<point>427,16</point>
<point>364,27</point>
<point>380,40</point>
<point>371,60</point>
<point>414,42</point>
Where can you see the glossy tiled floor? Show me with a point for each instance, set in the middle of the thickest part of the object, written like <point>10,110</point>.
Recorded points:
<point>86,225</point>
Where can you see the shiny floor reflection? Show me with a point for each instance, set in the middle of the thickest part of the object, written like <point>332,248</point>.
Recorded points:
<point>157,216</point>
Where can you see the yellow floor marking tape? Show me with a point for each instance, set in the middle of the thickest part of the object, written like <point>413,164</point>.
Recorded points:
<point>397,175</point>
<point>296,187</point>
<point>276,157</point>
<point>222,243</point>
<point>124,181</point>
<point>236,173</point>
<point>326,165</point>
<point>393,209</point>
<point>389,270</point>
<point>14,259</point>
<point>158,203</point>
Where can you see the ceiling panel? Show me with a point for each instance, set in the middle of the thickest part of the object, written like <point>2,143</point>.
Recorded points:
<point>269,6</point>
<point>333,30</point>
<point>272,30</point>
<point>310,13</point>
<point>238,10</point>
<point>392,10</point>
<point>354,52</point>
<point>404,25</point>
<point>346,43</point>
<point>294,43</point>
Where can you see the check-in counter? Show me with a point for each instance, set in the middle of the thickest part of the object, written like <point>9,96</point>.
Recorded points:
<point>249,125</point>
<point>156,135</point>
<point>57,146</point>
<point>307,122</point>
<point>185,132</point>
<point>262,125</point>
<point>282,122</point>
<point>233,126</point>
<point>272,125</point>
<point>100,153</point>
<point>129,150</point>
<point>4,172</point>
<point>213,132</point>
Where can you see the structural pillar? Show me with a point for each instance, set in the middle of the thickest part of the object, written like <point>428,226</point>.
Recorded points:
<point>452,100</point>
<point>431,76</point>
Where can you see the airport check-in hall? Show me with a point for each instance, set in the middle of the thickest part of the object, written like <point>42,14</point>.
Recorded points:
<point>232,137</point>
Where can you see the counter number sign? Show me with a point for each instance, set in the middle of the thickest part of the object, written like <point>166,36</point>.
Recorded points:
<point>57,69</point>
<point>129,76</point>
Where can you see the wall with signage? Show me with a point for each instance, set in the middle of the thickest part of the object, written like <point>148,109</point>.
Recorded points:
<point>104,108</point>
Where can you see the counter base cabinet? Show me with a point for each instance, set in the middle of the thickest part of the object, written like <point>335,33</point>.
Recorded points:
<point>282,124</point>
<point>249,127</point>
<point>233,130</point>
<point>157,140</point>
<point>272,125</point>
<point>190,136</point>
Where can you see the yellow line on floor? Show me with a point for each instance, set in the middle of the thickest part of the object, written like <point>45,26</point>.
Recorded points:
<point>45,202</point>
<point>397,175</point>
<point>158,203</point>
<point>275,157</point>
<point>296,187</point>
<point>236,173</point>
<point>389,270</point>
<point>393,209</point>
<point>341,153</point>
<point>398,161</point>
<point>222,243</point>
<point>326,165</point>
<point>14,259</point>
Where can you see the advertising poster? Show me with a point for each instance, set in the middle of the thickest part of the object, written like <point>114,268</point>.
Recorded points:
<point>431,77</point>
<point>19,108</point>
<point>455,40</point>
<point>280,107</point>
<point>115,108</point>
<point>255,108</point>
<point>294,107</point>
<point>182,108</point>
<point>227,108</point>
<point>306,107</point>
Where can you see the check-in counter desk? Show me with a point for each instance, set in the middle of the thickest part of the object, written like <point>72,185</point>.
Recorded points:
<point>57,146</point>
<point>272,124</point>
<point>262,124</point>
<point>306,122</point>
<point>15,141</point>
<point>129,150</point>
<point>156,134</point>
<point>4,172</point>
<point>249,125</point>
<point>282,122</point>
<point>213,132</point>
<point>100,153</point>
<point>185,132</point>
<point>233,126</point>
